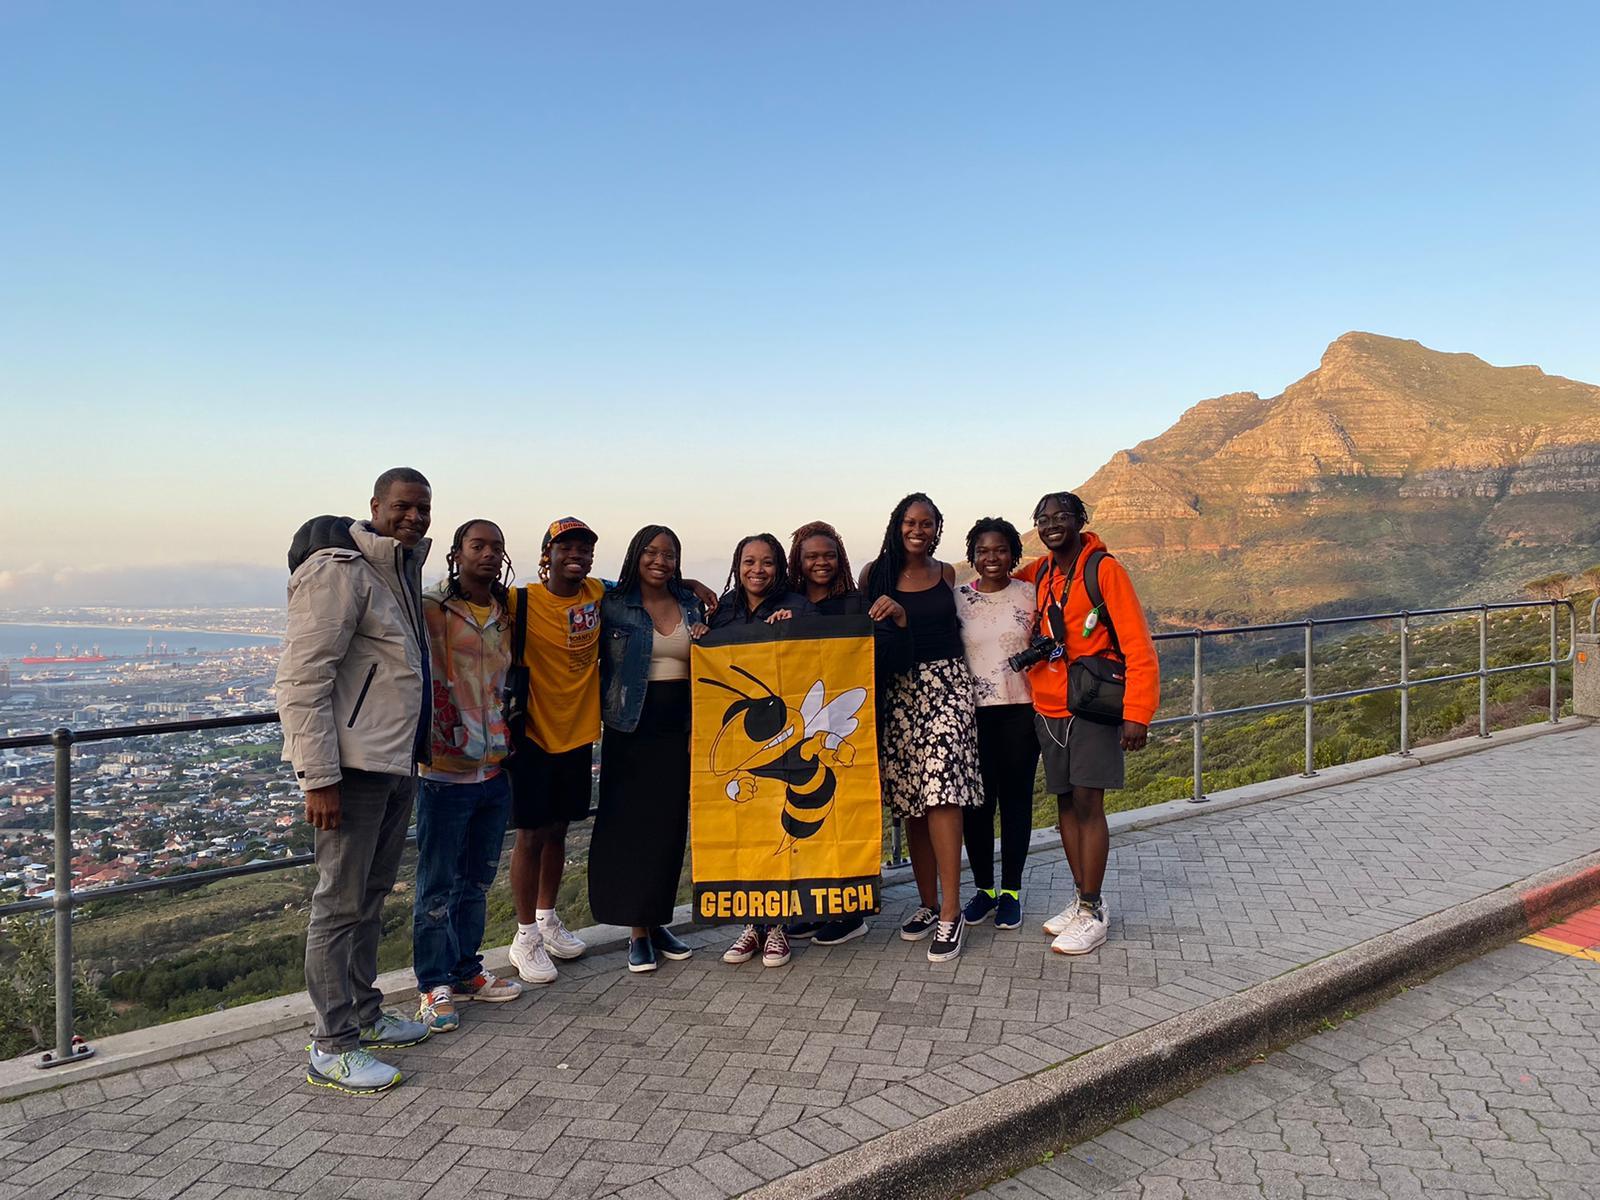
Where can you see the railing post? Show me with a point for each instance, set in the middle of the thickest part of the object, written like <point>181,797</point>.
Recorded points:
<point>1311,757</point>
<point>1405,685</point>
<point>1555,705</point>
<point>1199,736</point>
<point>896,843</point>
<point>61,899</point>
<point>1483,670</point>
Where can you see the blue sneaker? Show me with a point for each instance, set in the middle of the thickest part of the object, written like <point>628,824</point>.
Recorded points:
<point>354,1071</point>
<point>1008,914</point>
<point>392,1031</point>
<point>641,955</point>
<point>979,907</point>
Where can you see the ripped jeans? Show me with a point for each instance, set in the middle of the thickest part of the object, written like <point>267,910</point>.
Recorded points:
<point>460,828</point>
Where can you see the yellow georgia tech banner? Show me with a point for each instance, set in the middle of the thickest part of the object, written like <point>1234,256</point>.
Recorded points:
<point>784,815</point>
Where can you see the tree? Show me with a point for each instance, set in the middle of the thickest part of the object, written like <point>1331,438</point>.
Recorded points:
<point>1591,577</point>
<point>28,996</point>
<point>1555,586</point>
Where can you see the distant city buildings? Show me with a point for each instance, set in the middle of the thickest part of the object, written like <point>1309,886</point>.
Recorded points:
<point>148,806</point>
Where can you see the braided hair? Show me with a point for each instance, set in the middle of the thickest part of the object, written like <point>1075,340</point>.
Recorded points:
<point>885,570</point>
<point>994,525</point>
<point>780,577</point>
<point>1069,502</point>
<point>500,589</point>
<point>844,581</point>
<point>628,577</point>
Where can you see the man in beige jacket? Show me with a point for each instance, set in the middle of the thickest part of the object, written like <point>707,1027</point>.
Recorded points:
<point>353,696</point>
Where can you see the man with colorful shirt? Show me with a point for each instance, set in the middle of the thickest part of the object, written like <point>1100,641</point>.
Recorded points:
<point>1083,757</point>
<point>552,768</point>
<point>465,795</point>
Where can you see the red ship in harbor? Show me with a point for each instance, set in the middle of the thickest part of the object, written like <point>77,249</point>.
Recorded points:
<point>35,659</point>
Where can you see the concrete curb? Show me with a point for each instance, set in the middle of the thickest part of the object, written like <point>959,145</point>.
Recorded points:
<point>282,1014</point>
<point>969,1145</point>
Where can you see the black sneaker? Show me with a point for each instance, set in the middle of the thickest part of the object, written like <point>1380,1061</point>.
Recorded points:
<point>641,955</point>
<point>1008,915</point>
<point>836,933</point>
<point>946,942</point>
<point>668,945</point>
<point>803,931</point>
<point>920,925</point>
<point>979,907</point>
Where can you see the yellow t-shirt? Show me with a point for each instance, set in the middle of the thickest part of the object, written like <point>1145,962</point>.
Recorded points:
<point>562,654</point>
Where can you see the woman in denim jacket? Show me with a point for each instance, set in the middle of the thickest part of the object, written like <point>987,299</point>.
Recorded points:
<point>641,824</point>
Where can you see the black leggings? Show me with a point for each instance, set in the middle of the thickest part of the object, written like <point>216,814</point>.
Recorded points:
<point>1008,756</point>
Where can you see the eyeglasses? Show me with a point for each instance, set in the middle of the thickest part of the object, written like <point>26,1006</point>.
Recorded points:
<point>1052,521</point>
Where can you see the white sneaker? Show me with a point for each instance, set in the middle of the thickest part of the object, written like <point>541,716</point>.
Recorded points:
<point>531,959</point>
<point>559,940</point>
<point>1057,925</point>
<point>1084,934</point>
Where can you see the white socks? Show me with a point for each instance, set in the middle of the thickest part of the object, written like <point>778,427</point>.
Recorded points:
<point>544,915</point>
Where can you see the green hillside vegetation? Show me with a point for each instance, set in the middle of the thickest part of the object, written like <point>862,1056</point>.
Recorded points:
<point>161,957</point>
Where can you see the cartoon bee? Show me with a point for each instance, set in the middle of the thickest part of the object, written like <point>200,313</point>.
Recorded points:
<point>759,740</point>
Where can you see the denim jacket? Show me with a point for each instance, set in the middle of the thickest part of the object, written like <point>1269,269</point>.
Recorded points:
<point>626,638</point>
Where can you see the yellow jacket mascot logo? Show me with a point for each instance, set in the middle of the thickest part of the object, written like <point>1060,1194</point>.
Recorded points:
<point>785,817</point>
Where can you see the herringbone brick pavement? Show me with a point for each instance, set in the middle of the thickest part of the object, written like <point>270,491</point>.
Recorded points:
<point>703,1080</point>
<point>1482,1082</point>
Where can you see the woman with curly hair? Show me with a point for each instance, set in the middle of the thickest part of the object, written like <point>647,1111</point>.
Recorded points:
<point>996,613</point>
<point>928,748</point>
<point>819,569</point>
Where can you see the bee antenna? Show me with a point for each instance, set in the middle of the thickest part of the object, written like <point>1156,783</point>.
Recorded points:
<point>756,681</point>
<point>726,687</point>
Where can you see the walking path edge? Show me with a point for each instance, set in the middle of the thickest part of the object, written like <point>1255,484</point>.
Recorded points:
<point>968,1145</point>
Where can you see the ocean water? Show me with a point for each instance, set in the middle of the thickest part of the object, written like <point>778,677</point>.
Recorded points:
<point>117,640</point>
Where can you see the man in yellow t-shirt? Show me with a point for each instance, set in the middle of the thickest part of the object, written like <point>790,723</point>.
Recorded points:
<point>552,769</point>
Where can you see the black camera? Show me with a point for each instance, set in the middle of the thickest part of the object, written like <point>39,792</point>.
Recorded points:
<point>1042,647</point>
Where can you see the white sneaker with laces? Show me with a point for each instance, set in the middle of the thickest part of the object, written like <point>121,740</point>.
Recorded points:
<point>559,940</point>
<point>1086,933</point>
<point>1057,925</point>
<point>532,960</point>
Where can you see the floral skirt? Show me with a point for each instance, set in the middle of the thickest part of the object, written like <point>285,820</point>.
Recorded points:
<point>929,746</point>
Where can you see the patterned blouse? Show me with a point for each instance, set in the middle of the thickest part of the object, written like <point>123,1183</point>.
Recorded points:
<point>994,626</point>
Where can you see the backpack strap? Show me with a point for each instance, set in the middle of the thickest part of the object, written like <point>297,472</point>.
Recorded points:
<point>1091,583</point>
<point>519,626</point>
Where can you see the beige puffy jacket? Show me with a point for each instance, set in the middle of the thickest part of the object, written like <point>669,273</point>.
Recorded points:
<point>351,675</point>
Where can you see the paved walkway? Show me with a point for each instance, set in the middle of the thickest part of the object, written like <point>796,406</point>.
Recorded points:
<point>703,1080</point>
<point>1482,1082</point>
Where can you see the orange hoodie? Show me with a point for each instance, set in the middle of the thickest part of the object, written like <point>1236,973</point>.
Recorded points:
<point>1049,679</point>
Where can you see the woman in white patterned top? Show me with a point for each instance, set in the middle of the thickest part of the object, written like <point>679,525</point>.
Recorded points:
<point>996,614</point>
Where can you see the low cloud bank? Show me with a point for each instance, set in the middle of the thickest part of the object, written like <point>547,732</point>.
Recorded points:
<point>170,585</point>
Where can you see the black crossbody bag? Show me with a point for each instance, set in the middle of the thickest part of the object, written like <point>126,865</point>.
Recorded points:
<point>514,693</point>
<point>1096,683</point>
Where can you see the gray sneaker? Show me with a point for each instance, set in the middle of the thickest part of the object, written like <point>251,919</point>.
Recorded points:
<point>354,1071</point>
<point>392,1031</point>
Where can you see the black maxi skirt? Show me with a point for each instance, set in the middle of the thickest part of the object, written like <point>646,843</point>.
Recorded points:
<point>641,824</point>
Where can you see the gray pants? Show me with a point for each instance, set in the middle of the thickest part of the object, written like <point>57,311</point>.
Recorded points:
<point>356,868</point>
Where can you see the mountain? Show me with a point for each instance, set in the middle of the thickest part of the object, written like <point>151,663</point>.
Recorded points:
<point>1392,476</point>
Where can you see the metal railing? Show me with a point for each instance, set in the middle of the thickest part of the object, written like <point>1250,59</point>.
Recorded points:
<point>1310,697</point>
<point>64,898</point>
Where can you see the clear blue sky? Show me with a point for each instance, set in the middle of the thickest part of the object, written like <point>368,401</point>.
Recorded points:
<point>733,265</point>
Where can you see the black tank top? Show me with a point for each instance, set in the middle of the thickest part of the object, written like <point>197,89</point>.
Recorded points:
<point>931,618</point>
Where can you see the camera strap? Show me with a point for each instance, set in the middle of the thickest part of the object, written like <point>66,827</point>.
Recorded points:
<point>1055,610</point>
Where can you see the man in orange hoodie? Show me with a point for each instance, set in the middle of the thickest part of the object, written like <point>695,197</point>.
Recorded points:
<point>1083,756</point>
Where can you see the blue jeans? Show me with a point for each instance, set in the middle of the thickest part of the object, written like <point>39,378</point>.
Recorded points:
<point>460,828</point>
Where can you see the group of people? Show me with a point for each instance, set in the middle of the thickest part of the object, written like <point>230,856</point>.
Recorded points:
<point>479,703</point>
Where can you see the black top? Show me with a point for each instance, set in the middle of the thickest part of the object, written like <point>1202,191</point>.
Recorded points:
<point>931,616</point>
<point>733,610</point>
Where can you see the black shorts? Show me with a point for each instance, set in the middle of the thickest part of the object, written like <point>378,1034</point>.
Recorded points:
<point>1078,753</point>
<point>547,789</point>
